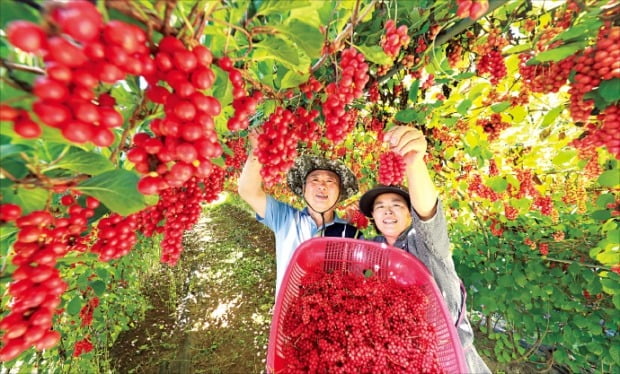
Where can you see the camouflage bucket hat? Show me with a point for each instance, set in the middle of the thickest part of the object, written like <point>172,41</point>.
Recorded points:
<point>296,177</point>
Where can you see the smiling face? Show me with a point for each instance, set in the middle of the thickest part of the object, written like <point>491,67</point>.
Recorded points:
<point>391,214</point>
<point>322,189</point>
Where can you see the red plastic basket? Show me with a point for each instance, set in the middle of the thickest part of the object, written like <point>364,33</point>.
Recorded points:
<point>357,256</point>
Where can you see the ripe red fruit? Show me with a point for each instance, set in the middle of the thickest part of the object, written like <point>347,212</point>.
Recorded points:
<point>102,137</point>
<point>49,89</point>
<point>65,53</point>
<point>203,55</point>
<point>52,114</point>
<point>170,44</point>
<point>12,349</point>
<point>225,63</point>
<point>26,36</point>
<point>8,113</point>
<point>121,34</point>
<point>58,72</point>
<point>478,9</point>
<point>79,19</point>
<point>78,131</point>
<point>50,339</point>
<point>203,78</point>
<point>109,117</point>
<point>10,212</point>
<point>26,128</point>
<point>149,185</point>
<point>184,60</point>
<point>184,110</point>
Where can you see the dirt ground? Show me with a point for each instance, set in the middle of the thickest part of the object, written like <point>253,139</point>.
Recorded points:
<point>211,312</point>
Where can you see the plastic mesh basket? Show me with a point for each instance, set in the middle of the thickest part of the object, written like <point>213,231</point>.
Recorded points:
<point>357,256</point>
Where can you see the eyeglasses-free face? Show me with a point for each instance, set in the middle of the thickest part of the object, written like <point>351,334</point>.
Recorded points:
<point>391,214</point>
<point>322,189</point>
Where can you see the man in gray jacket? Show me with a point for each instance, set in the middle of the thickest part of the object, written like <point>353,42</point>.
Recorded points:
<point>414,220</point>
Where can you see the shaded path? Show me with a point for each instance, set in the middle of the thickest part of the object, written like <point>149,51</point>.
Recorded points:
<point>211,312</point>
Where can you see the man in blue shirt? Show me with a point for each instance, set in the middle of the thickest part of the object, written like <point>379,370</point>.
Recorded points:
<point>321,183</point>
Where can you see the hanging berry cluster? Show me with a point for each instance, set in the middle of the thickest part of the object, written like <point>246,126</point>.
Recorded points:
<point>394,38</point>
<point>277,145</point>
<point>344,323</point>
<point>349,87</point>
<point>244,105</point>
<point>80,52</point>
<point>391,169</point>
<point>42,239</point>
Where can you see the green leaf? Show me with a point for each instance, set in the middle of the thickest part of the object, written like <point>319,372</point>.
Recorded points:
<point>293,79</point>
<point>610,178</point>
<point>605,199</point>
<point>7,150</point>
<point>406,116</point>
<point>500,107</point>
<point>305,36</point>
<point>81,161</point>
<point>219,162</point>
<point>28,199</point>
<point>552,115</point>
<point>610,90</point>
<point>13,10</point>
<point>74,306</point>
<point>98,286</point>
<point>281,7</point>
<point>518,49</point>
<point>557,54</point>
<point>116,189</point>
<point>413,91</point>
<point>578,32</point>
<point>614,350</point>
<point>279,50</point>
<point>464,106</point>
<point>375,54</point>
<point>564,157</point>
<point>498,183</point>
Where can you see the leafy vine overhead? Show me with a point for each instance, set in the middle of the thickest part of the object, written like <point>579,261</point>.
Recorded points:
<point>121,118</point>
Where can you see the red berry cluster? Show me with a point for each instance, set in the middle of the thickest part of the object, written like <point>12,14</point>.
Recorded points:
<point>543,248</point>
<point>492,64</point>
<point>510,212</point>
<point>473,9</point>
<point>305,125</point>
<point>343,323</point>
<point>277,145</point>
<point>349,87</point>
<point>596,64</point>
<point>493,125</point>
<point>235,161</point>
<point>82,346</point>
<point>476,186</point>
<point>604,133</point>
<point>391,169</point>
<point>80,52</point>
<point>546,77</point>
<point>42,239</point>
<point>116,236</point>
<point>496,228</point>
<point>357,218</point>
<point>454,53</point>
<point>394,38</point>
<point>86,313</point>
<point>185,139</point>
<point>243,104</point>
<point>544,204</point>
<point>9,212</point>
<point>311,87</point>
